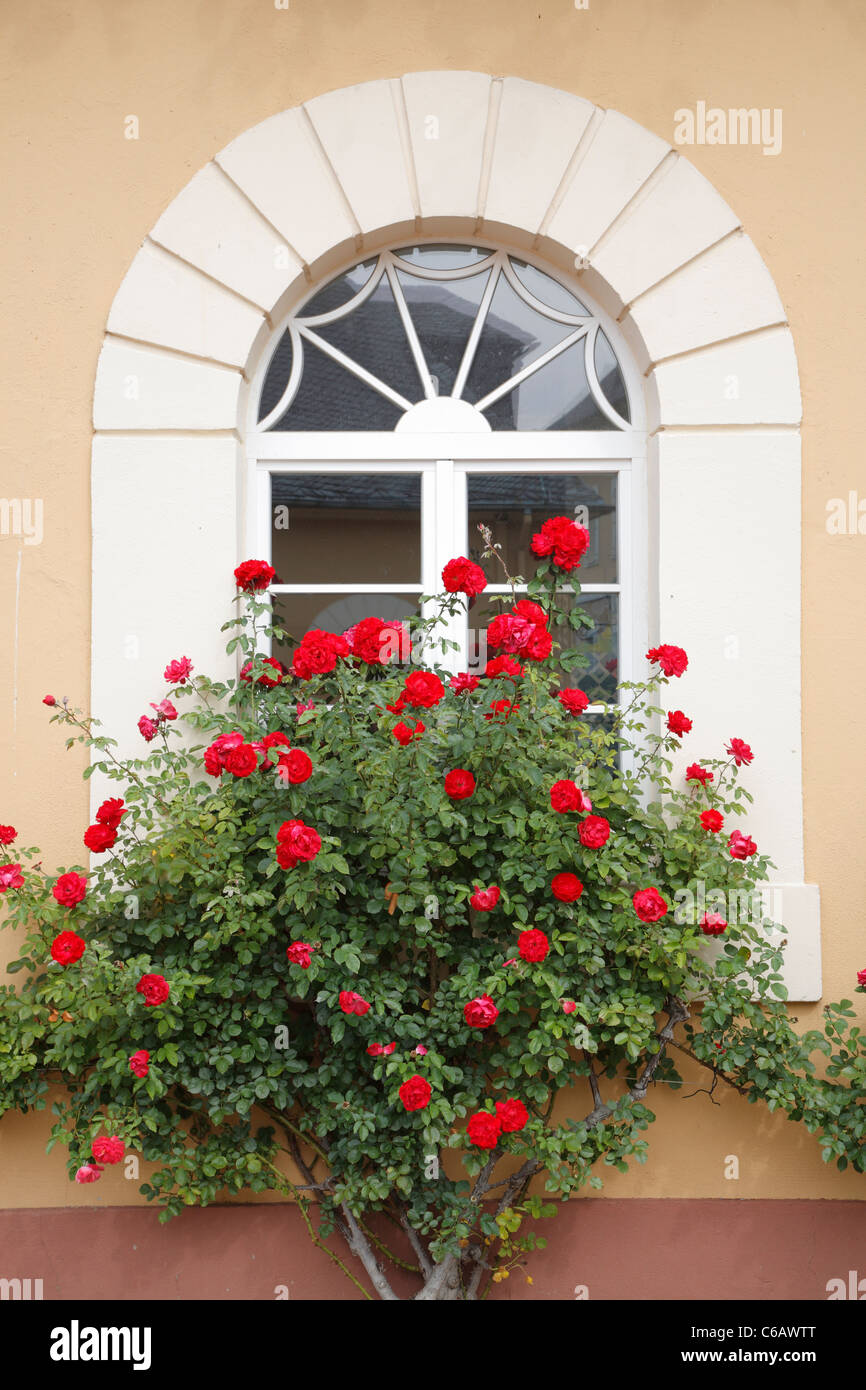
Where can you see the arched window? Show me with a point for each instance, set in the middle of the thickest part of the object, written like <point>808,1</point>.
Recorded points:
<point>425,390</point>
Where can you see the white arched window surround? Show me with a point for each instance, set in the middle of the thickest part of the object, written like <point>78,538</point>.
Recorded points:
<point>514,163</point>
<point>443,440</point>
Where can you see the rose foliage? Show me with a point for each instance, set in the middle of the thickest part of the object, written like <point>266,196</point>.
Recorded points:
<point>345,917</point>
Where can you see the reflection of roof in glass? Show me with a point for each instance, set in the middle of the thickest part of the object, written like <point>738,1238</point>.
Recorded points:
<point>402,492</point>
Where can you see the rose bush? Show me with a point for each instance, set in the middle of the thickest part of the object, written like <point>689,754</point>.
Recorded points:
<point>319,945</point>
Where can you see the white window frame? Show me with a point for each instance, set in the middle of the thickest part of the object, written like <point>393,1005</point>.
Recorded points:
<point>444,460</point>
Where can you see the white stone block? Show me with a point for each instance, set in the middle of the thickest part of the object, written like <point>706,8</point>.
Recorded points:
<point>358,129</point>
<point>537,133</point>
<point>447,114</point>
<point>142,388</point>
<point>750,380</point>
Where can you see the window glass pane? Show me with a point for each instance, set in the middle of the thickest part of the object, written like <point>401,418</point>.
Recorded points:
<point>298,613</point>
<point>339,291</point>
<point>373,335</point>
<point>330,398</point>
<point>610,377</point>
<point>556,397</point>
<point>545,288</point>
<point>440,257</point>
<point>277,375</point>
<point>600,642</point>
<point>443,312</point>
<point>513,336</point>
<point>346,528</point>
<point>514,505</point>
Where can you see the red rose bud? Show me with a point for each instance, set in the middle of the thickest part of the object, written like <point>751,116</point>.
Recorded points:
<point>88,1172</point>
<point>568,1006</point>
<point>48,700</point>
<point>481,1012</point>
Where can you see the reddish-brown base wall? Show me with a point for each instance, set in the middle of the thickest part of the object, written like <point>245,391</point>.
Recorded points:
<point>612,1249</point>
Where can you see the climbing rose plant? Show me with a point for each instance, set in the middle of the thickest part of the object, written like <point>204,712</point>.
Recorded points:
<point>411,948</point>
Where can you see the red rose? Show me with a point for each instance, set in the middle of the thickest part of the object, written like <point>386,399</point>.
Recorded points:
<point>295,842</point>
<point>564,540</point>
<point>398,706</point>
<point>88,1172</point>
<point>566,887</point>
<point>649,904</point>
<point>459,784</point>
<point>111,812</point>
<point>521,633</point>
<point>566,796</point>
<point>299,953</point>
<point>533,945</point>
<point>501,710</point>
<point>696,773</point>
<point>594,832</point>
<point>378,1050</point>
<point>352,1003</point>
<point>254,575</point>
<point>177,671</point>
<point>48,700</point>
<point>712,924</point>
<point>317,653</point>
<point>739,751</point>
<point>155,989</point>
<point>295,766</point>
<point>423,689</point>
<point>712,820</point>
<point>861,979</point>
<point>7,834</point>
<point>403,734</point>
<point>415,1093</point>
<point>484,1129</point>
<point>672,660</point>
<point>67,948</point>
<point>568,1006</point>
<point>99,838</point>
<point>10,877</point>
<point>164,710</point>
<point>481,1012</point>
<point>512,1115</point>
<point>532,612</point>
<point>148,728</point>
<point>241,761</point>
<point>268,682</point>
<point>573,700</point>
<point>678,723</point>
<point>741,846</point>
<point>461,576</point>
<point>504,666</point>
<point>70,889</point>
<point>540,645</point>
<point>484,899</point>
<point>463,683</point>
<point>377,642</point>
<point>107,1149</point>
<point>139,1063</point>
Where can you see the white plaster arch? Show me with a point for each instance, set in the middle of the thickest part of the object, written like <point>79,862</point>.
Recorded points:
<point>455,153</point>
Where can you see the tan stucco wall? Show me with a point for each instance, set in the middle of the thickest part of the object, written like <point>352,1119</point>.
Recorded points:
<point>80,198</point>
